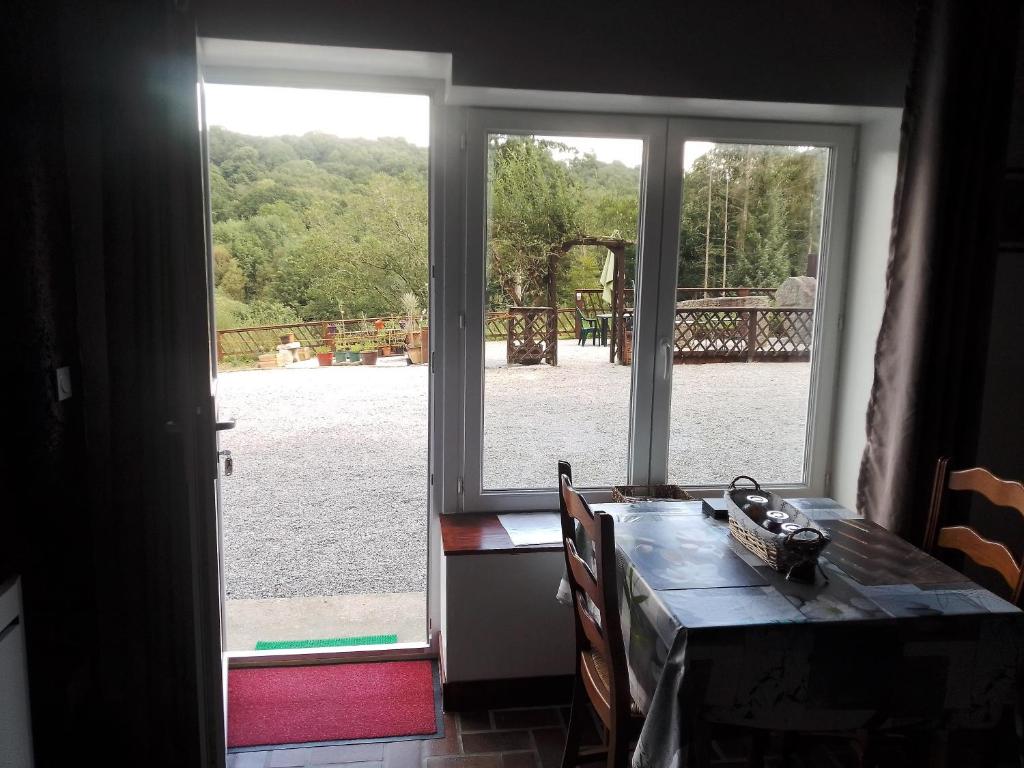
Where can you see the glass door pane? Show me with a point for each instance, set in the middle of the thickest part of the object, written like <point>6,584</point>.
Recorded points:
<point>743,338</point>
<point>560,253</point>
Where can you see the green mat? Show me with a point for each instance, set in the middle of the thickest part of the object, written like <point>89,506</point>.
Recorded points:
<point>284,645</point>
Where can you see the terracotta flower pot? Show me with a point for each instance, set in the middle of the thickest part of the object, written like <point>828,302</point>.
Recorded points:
<point>325,358</point>
<point>415,355</point>
<point>368,357</point>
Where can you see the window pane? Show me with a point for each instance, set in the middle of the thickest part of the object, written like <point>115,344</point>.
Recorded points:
<point>551,388</point>
<point>749,256</point>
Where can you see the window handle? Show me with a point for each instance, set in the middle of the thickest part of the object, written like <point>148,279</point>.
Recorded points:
<point>667,351</point>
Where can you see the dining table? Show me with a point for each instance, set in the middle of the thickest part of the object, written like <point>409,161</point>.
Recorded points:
<point>886,637</point>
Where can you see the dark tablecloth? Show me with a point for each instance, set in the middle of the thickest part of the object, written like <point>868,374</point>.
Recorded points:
<point>893,638</point>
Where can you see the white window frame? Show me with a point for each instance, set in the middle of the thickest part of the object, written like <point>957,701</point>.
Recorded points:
<point>479,125</point>
<point>837,203</point>
<point>661,197</point>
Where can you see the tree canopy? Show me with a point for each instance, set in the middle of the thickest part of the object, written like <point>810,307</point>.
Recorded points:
<point>318,227</point>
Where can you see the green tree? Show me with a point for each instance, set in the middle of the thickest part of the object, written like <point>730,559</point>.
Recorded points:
<point>534,204</point>
<point>228,278</point>
<point>242,166</point>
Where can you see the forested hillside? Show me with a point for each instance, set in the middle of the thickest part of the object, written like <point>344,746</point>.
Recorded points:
<point>317,227</point>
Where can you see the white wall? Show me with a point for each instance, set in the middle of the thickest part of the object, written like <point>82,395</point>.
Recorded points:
<point>865,296</point>
<point>502,619</point>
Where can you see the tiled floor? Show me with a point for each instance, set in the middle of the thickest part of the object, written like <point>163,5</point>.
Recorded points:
<point>534,738</point>
<point>508,738</point>
<point>501,738</point>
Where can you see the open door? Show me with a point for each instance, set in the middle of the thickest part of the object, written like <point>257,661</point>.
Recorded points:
<point>208,453</point>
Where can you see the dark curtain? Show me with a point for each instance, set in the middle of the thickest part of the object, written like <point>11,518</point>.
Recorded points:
<point>928,363</point>
<point>105,210</point>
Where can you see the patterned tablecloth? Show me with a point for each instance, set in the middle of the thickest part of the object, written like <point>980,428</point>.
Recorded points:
<point>893,638</point>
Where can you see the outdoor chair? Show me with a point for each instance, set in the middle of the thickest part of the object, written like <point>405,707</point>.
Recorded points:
<point>589,326</point>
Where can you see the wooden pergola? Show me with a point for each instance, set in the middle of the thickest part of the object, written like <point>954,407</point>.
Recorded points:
<point>618,247</point>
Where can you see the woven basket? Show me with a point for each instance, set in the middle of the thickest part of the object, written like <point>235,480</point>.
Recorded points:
<point>796,557</point>
<point>634,493</point>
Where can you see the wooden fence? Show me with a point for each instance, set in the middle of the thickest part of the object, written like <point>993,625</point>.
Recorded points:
<point>720,334</point>
<point>743,334</point>
<point>590,301</point>
<point>320,336</point>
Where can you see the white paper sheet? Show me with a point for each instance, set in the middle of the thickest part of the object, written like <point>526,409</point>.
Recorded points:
<point>525,528</point>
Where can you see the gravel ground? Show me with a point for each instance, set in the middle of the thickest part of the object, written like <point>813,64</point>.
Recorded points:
<point>329,491</point>
<point>579,411</point>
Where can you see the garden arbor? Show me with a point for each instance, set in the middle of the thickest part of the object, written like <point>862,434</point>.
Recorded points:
<point>533,331</point>
<point>618,248</point>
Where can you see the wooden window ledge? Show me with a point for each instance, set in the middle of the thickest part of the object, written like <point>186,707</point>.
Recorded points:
<point>481,533</point>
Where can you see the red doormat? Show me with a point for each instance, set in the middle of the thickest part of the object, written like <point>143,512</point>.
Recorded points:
<point>330,702</point>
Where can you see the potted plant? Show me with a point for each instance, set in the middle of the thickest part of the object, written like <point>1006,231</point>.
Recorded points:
<point>411,306</point>
<point>368,357</point>
<point>353,352</point>
<point>325,358</point>
<point>383,342</point>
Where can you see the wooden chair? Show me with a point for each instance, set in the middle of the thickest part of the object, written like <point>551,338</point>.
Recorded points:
<point>964,539</point>
<point>601,676</point>
<point>982,551</point>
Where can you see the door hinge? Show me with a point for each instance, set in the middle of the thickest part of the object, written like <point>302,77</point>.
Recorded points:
<point>462,319</point>
<point>432,356</point>
<point>462,142</point>
<point>459,487</point>
<point>842,321</point>
<point>431,478</point>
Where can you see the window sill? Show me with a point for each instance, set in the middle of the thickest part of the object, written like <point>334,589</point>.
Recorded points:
<point>481,533</point>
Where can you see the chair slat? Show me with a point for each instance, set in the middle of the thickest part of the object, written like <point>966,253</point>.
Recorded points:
<point>582,575</point>
<point>590,626</point>
<point>578,510</point>
<point>990,554</point>
<point>1003,493</point>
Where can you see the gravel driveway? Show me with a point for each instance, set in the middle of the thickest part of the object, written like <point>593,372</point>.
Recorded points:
<point>329,491</point>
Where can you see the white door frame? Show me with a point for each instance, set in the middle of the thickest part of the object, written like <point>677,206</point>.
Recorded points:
<point>249,73</point>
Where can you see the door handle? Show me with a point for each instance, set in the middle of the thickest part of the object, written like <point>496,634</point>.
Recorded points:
<point>220,426</point>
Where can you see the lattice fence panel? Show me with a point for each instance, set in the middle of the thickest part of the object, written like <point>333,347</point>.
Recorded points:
<point>532,336</point>
<point>706,335</point>
<point>784,334</point>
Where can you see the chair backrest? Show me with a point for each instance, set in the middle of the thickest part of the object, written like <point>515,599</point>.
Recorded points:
<point>964,539</point>
<point>594,592</point>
